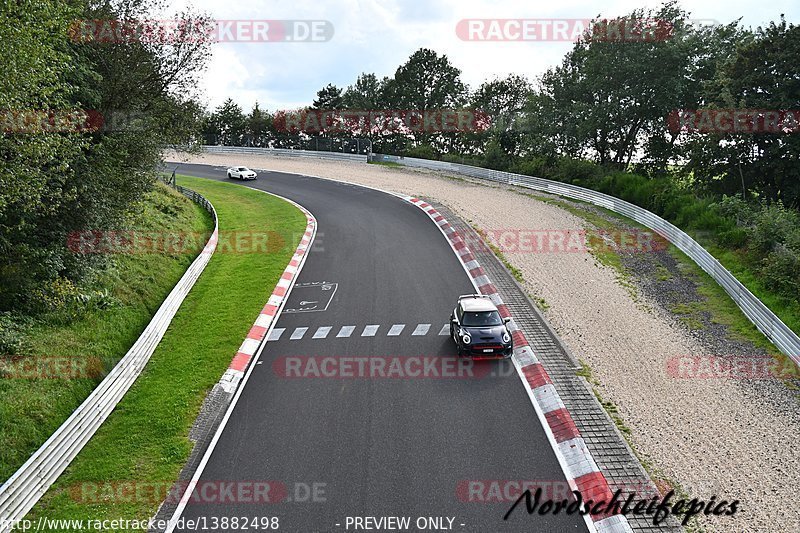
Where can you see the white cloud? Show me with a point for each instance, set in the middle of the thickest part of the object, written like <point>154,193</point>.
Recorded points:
<point>377,36</point>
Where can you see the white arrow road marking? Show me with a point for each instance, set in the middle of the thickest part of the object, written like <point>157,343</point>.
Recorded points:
<point>346,331</point>
<point>422,329</point>
<point>396,330</point>
<point>370,331</point>
<point>322,332</point>
<point>298,333</point>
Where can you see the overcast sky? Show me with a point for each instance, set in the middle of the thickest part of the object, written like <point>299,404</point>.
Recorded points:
<point>378,36</point>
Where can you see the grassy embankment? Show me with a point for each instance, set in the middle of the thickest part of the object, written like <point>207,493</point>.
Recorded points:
<point>145,441</point>
<point>134,285</point>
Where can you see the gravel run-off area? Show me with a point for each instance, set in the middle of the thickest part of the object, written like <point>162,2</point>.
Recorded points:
<point>729,438</point>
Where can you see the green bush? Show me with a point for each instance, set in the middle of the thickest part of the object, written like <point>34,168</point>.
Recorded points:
<point>537,167</point>
<point>767,235</point>
<point>781,271</point>
<point>495,157</point>
<point>575,170</point>
<point>12,335</point>
<point>773,226</point>
<point>734,239</point>
<point>423,151</point>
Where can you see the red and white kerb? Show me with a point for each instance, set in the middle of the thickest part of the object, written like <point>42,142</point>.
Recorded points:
<point>230,380</point>
<point>580,465</point>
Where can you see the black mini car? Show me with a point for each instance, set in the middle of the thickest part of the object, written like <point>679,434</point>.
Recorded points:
<point>478,329</point>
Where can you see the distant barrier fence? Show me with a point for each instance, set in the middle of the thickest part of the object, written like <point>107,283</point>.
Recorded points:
<point>314,143</point>
<point>759,314</point>
<point>354,152</point>
<point>20,493</point>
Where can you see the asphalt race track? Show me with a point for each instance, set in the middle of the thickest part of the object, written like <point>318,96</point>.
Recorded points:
<point>380,446</point>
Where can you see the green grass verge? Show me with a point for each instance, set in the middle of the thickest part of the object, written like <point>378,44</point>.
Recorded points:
<point>146,440</point>
<point>31,409</point>
<point>714,300</point>
<point>788,310</point>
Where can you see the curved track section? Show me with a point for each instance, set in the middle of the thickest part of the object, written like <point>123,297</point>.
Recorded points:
<point>378,286</point>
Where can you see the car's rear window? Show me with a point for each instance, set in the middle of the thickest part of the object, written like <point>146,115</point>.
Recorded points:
<point>483,318</point>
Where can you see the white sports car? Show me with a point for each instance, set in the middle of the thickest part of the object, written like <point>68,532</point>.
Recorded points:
<point>243,173</point>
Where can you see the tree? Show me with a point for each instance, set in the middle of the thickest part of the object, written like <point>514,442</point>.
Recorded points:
<point>609,96</point>
<point>259,124</point>
<point>366,94</point>
<point>329,97</point>
<point>760,74</point>
<point>80,176</point>
<point>33,162</point>
<point>503,102</point>
<point>230,122</point>
<point>426,81</point>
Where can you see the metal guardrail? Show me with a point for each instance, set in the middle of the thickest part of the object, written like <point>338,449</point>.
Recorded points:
<point>759,314</point>
<point>298,141</point>
<point>23,489</point>
<point>285,152</point>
